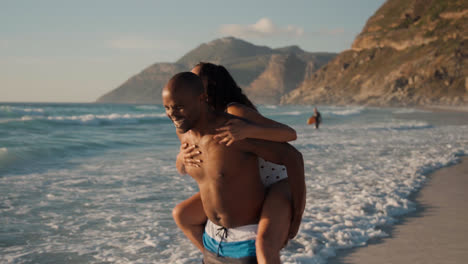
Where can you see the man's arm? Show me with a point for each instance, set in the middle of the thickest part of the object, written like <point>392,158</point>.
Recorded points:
<point>285,154</point>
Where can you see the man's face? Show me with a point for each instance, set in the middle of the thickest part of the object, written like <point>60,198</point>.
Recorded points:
<point>182,108</point>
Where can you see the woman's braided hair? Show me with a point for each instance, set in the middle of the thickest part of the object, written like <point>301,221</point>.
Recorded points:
<point>221,88</point>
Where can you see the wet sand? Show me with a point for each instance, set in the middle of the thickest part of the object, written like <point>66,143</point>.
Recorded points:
<point>437,232</point>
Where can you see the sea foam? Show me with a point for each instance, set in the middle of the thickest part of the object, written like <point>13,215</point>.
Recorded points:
<point>92,119</point>
<point>99,194</point>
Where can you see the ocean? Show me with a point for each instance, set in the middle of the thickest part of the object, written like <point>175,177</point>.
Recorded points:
<point>96,183</point>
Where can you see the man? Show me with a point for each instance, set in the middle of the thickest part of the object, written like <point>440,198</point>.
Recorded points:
<point>230,187</point>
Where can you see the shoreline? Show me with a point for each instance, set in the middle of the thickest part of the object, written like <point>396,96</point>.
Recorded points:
<point>445,108</point>
<point>436,232</point>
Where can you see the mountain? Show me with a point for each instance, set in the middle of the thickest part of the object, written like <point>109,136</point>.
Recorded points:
<point>410,52</point>
<point>283,73</point>
<point>258,69</point>
<point>145,87</point>
<point>223,51</point>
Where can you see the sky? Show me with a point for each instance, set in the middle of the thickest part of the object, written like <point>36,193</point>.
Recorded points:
<point>75,51</point>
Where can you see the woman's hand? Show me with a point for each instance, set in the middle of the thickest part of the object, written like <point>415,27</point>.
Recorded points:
<point>233,130</point>
<point>188,154</point>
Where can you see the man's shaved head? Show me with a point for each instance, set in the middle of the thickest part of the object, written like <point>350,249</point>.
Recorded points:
<point>183,99</point>
<point>185,82</point>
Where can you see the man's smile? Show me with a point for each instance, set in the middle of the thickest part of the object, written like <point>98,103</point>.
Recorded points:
<point>178,122</point>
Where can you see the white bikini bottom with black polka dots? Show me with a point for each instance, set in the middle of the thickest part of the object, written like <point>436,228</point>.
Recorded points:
<point>271,172</point>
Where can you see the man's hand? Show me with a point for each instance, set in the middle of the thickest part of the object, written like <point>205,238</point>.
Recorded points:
<point>188,155</point>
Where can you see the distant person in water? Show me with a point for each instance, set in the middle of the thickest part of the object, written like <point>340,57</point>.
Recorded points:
<point>315,119</point>
<point>232,194</point>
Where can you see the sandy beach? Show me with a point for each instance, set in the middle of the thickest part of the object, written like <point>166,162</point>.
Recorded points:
<point>436,232</point>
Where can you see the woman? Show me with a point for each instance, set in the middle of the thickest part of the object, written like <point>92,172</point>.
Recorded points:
<point>223,94</point>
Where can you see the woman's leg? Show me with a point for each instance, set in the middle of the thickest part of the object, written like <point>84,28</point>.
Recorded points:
<point>190,217</point>
<point>273,227</point>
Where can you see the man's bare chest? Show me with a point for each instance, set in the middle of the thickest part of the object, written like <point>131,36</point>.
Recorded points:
<point>218,162</point>
<point>213,157</point>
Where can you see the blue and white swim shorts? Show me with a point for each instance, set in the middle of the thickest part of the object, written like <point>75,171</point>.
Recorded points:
<point>238,242</point>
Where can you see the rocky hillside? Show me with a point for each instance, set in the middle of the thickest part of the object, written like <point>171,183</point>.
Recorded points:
<point>145,87</point>
<point>260,70</point>
<point>283,73</point>
<point>410,52</point>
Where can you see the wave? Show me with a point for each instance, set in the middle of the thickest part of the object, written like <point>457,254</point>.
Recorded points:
<point>5,158</point>
<point>346,112</point>
<point>18,111</point>
<point>92,119</point>
<point>3,151</point>
<point>416,125</point>
<point>147,107</point>
<point>409,111</point>
<point>358,179</point>
<point>367,182</point>
<point>114,118</point>
<point>292,113</point>
<point>9,120</point>
<point>270,106</point>
<point>32,157</point>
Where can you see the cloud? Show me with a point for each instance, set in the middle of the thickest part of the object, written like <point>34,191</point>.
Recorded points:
<point>263,28</point>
